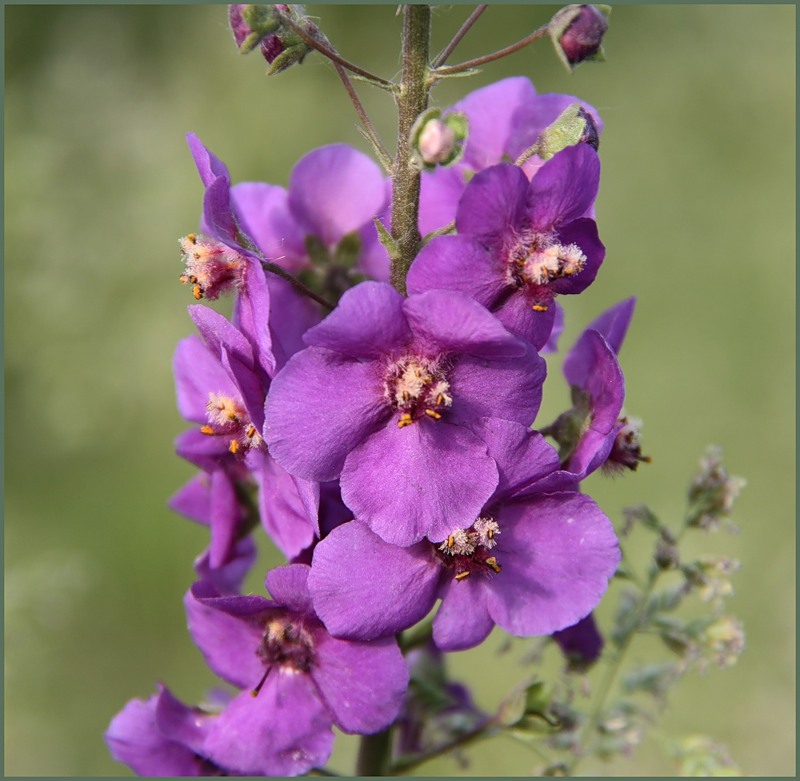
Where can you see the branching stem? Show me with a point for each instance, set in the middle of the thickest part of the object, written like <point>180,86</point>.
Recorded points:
<point>452,70</point>
<point>441,58</point>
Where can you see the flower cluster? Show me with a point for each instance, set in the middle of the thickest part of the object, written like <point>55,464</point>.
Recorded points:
<point>389,447</point>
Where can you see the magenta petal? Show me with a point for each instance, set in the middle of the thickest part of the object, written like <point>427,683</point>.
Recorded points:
<point>179,722</point>
<point>208,165</point>
<point>226,641</point>
<point>335,190</point>
<point>285,514</point>
<point>510,388</point>
<point>437,475</point>
<point>612,325</point>
<point>463,620</point>
<point>564,188</point>
<point>362,683</point>
<point>493,206</point>
<point>217,216</point>
<point>289,587</point>
<point>252,314</point>
<point>365,588</point>
<point>320,406</point>
<point>219,334</point>
<point>263,212</point>
<point>517,315</point>
<point>583,233</point>
<point>133,738</point>
<point>457,263</point>
<point>368,322</point>
<point>440,192</point>
<point>284,731</point>
<point>225,517</point>
<point>194,499</point>
<point>448,321</point>
<point>291,315</point>
<point>558,553</point>
<point>228,579</point>
<point>492,113</point>
<point>197,373</point>
<point>522,456</point>
<point>601,377</point>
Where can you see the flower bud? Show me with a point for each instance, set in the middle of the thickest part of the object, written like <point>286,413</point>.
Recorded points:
<point>712,492</point>
<point>439,140</point>
<point>574,125</point>
<point>577,32</point>
<point>263,26</point>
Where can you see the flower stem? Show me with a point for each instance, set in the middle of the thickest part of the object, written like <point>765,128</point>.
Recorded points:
<point>452,70</point>
<point>441,58</point>
<point>412,100</point>
<point>374,753</point>
<point>317,41</point>
<point>369,128</point>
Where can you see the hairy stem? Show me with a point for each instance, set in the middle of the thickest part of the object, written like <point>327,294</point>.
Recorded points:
<point>412,100</point>
<point>369,128</point>
<point>317,41</point>
<point>441,58</point>
<point>452,70</point>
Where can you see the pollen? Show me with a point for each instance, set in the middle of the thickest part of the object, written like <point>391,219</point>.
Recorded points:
<point>541,260</point>
<point>211,266</point>
<point>416,387</point>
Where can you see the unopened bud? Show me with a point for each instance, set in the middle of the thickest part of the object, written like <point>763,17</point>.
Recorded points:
<point>264,26</point>
<point>574,125</point>
<point>712,492</point>
<point>723,641</point>
<point>439,140</point>
<point>577,32</point>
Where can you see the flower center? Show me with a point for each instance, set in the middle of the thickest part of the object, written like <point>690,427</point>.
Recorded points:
<point>469,550</point>
<point>211,267</point>
<point>285,644</point>
<point>415,387</point>
<point>227,417</point>
<point>538,261</point>
<point>627,449</point>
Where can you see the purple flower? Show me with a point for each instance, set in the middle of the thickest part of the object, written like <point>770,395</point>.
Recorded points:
<point>530,562</point>
<point>592,430</point>
<point>581,643</point>
<point>220,387</point>
<point>505,118</point>
<point>520,243</point>
<point>384,397</point>
<point>146,736</point>
<point>296,679</point>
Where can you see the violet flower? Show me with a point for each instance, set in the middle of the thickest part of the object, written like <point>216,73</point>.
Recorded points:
<point>383,397</point>
<point>580,643</point>
<point>505,119</point>
<point>296,680</point>
<point>592,432</point>
<point>219,388</point>
<point>142,736</point>
<point>530,562</point>
<point>520,243</point>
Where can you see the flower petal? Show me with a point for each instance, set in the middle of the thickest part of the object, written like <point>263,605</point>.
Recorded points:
<point>364,588</point>
<point>493,206</point>
<point>510,389</point>
<point>335,190</point>
<point>289,587</point>
<point>463,620</point>
<point>284,731</point>
<point>457,263</point>
<point>321,405</point>
<point>558,553</point>
<point>451,322</point>
<point>564,188</point>
<point>367,323</point>
<point>362,683</point>
<point>435,476</point>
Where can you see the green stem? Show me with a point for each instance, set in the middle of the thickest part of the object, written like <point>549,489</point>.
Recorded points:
<point>441,58</point>
<point>412,100</point>
<point>616,662</point>
<point>374,753</point>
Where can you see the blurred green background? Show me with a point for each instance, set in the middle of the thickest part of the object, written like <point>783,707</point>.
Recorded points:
<point>697,209</point>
